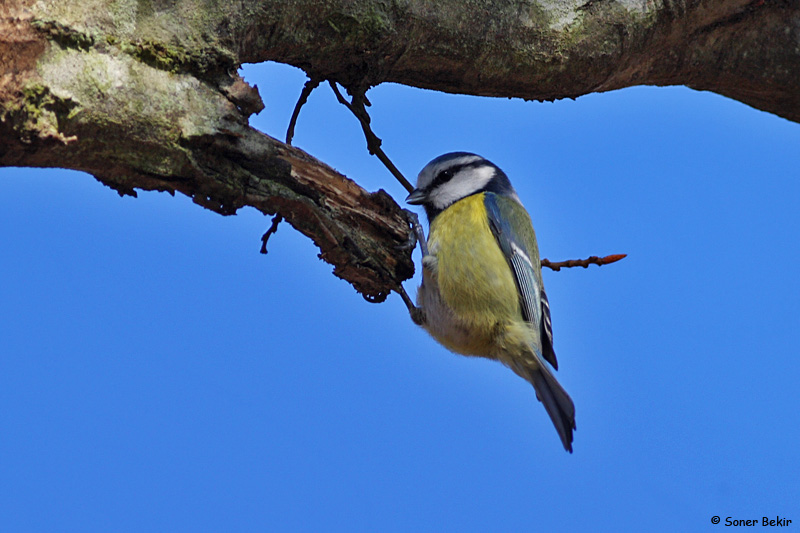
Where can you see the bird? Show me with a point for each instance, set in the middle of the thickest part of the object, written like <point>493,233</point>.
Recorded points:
<point>482,292</point>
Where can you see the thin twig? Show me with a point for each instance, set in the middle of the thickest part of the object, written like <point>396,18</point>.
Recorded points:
<point>594,260</point>
<point>358,107</point>
<point>272,229</point>
<point>310,85</point>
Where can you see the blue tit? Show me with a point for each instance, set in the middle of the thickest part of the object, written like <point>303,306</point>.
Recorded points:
<point>482,292</point>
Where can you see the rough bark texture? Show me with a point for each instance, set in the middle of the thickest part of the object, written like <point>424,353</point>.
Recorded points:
<point>144,94</point>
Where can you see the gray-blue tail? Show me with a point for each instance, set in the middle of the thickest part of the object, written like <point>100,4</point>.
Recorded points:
<point>556,401</point>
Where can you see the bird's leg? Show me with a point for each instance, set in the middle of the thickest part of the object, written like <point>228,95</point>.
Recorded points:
<point>417,235</point>
<point>417,313</point>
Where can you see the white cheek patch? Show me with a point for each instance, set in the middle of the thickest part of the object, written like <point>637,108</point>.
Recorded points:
<point>466,182</point>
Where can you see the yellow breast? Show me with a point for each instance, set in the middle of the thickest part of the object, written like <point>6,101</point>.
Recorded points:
<point>468,291</point>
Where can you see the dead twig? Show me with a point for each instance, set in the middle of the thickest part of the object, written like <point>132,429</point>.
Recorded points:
<point>358,107</point>
<point>594,260</point>
<point>272,229</point>
<point>310,85</point>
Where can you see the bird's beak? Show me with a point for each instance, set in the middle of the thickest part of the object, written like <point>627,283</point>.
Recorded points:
<point>416,197</point>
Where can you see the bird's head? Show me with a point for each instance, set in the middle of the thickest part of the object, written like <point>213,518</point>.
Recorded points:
<point>454,176</point>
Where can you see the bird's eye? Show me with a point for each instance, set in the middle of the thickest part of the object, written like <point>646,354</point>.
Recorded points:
<point>443,177</point>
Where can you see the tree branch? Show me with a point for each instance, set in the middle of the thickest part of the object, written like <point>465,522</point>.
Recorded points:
<point>167,129</point>
<point>744,49</point>
<point>150,99</point>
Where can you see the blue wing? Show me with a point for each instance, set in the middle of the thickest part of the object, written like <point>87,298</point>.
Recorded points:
<point>512,228</point>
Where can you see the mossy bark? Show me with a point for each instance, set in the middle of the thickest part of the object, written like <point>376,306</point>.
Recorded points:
<point>145,95</point>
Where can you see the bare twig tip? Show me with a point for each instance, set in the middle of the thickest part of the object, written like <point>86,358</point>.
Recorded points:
<point>613,258</point>
<point>593,260</point>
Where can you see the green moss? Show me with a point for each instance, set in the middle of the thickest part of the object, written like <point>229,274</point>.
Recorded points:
<point>38,100</point>
<point>539,16</point>
<point>63,35</point>
<point>369,25</point>
<point>205,63</point>
<point>38,113</point>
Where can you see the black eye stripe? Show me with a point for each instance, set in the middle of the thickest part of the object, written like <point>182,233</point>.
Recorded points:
<point>447,174</point>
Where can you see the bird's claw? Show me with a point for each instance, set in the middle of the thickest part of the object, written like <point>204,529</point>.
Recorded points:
<point>417,233</point>
<point>417,315</point>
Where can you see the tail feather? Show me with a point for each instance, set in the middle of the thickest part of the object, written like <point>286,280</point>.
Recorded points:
<point>557,403</point>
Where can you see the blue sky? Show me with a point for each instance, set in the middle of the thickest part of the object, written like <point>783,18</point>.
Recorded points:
<point>158,373</point>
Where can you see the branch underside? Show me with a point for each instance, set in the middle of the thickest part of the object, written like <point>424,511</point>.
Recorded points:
<point>150,99</point>
<point>545,49</point>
